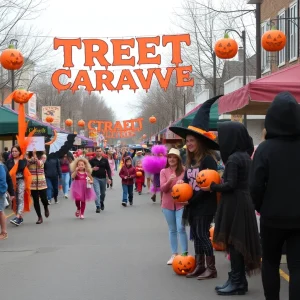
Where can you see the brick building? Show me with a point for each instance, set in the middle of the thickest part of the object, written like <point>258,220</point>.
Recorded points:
<point>274,12</point>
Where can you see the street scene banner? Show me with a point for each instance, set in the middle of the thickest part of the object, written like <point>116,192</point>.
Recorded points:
<point>53,111</point>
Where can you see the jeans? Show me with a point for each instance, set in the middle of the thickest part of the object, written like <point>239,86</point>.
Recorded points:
<point>52,187</point>
<point>127,192</point>
<point>117,161</point>
<point>65,182</point>
<point>174,220</point>
<point>272,242</point>
<point>100,189</point>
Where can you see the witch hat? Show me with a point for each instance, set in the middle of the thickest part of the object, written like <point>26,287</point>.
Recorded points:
<point>200,125</point>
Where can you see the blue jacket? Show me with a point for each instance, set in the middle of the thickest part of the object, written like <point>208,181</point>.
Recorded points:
<point>3,184</point>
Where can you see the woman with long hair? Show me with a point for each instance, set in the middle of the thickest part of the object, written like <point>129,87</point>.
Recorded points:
<point>38,184</point>
<point>20,183</point>
<point>201,208</point>
<point>173,172</point>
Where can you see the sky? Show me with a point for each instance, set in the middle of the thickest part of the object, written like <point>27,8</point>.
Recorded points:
<point>109,19</point>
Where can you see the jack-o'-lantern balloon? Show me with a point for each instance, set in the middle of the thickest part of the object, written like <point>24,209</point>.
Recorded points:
<point>22,96</point>
<point>206,177</point>
<point>11,58</point>
<point>226,48</point>
<point>182,192</point>
<point>69,122</point>
<point>139,174</point>
<point>49,119</point>
<point>81,123</point>
<point>273,40</point>
<point>152,120</point>
<point>216,246</point>
<point>183,264</point>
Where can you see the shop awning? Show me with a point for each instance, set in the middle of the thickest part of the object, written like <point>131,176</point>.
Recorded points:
<point>9,122</point>
<point>255,97</point>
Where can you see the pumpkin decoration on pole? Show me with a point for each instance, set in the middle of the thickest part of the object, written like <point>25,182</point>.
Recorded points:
<point>11,58</point>
<point>81,123</point>
<point>152,120</point>
<point>226,47</point>
<point>49,119</point>
<point>273,40</point>
<point>69,122</point>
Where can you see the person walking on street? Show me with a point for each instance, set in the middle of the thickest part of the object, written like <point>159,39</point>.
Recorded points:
<point>53,175</point>
<point>100,167</point>
<point>3,189</point>
<point>127,173</point>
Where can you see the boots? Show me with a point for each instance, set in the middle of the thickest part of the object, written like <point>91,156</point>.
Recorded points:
<point>47,213</point>
<point>39,221</point>
<point>228,281</point>
<point>237,283</point>
<point>211,271</point>
<point>200,266</point>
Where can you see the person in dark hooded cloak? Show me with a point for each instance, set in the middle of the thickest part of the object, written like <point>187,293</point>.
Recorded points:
<point>235,221</point>
<point>274,187</point>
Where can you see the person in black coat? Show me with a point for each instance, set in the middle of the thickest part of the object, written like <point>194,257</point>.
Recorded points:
<point>274,186</point>
<point>235,221</point>
<point>53,175</point>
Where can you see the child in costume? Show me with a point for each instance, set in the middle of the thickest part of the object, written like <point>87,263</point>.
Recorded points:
<point>154,164</point>
<point>82,186</point>
<point>140,176</point>
<point>127,173</point>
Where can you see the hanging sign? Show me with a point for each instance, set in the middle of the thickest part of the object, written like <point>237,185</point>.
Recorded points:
<point>96,50</point>
<point>121,129</point>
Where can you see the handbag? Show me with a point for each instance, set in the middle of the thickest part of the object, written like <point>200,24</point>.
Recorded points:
<point>88,184</point>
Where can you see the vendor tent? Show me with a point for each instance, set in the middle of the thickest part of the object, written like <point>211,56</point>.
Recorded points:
<point>255,97</point>
<point>9,122</point>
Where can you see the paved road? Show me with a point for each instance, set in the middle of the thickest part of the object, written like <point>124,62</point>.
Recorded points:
<point>119,254</point>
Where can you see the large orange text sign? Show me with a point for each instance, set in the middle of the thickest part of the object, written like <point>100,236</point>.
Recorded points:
<point>121,129</point>
<point>147,47</point>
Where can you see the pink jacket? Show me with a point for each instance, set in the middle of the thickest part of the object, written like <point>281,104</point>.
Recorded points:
<point>167,200</point>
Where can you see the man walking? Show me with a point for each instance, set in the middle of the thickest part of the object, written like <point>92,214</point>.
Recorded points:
<point>100,168</point>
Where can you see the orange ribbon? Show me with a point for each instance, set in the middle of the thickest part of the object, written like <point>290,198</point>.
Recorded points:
<point>208,134</point>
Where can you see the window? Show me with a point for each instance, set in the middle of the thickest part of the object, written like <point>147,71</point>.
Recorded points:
<point>265,60</point>
<point>281,26</point>
<point>293,31</point>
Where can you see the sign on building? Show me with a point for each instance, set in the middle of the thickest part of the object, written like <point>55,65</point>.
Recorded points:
<point>53,111</point>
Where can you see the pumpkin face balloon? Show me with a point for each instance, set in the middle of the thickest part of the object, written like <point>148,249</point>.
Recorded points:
<point>273,40</point>
<point>226,48</point>
<point>152,119</point>
<point>182,192</point>
<point>22,96</point>
<point>206,177</point>
<point>139,174</point>
<point>12,59</point>
<point>183,264</point>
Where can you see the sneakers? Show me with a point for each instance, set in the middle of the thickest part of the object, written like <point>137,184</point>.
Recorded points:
<point>102,205</point>
<point>98,210</point>
<point>66,196</point>
<point>49,202</point>
<point>16,221</point>
<point>130,202</point>
<point>77,213</point>
<point>124,203</point>
<point>3,236</point>
<point>170,261</point>
<point>81,217</point>
<point>153,198</point>
<point>140,193</point>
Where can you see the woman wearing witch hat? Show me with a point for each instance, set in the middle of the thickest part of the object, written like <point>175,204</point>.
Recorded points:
<point>235,221</point>
<point>201,208</point>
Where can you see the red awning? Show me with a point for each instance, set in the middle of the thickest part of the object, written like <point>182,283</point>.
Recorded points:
<point>255,97</point>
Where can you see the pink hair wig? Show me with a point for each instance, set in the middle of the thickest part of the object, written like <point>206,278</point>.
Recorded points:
<point>158,149</point>
<point>154,164</point>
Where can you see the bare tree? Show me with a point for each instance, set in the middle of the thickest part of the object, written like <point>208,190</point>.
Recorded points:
<point>14,17</point>
<point>206,23</point>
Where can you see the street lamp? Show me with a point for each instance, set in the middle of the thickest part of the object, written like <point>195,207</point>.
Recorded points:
<point>243,38</point>
<point>258,35</point>
<point>15,43</point>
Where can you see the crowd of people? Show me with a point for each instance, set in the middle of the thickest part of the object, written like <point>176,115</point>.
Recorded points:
<point>252,181</point>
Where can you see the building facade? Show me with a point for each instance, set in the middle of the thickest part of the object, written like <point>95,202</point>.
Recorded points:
<point>284,15</point>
